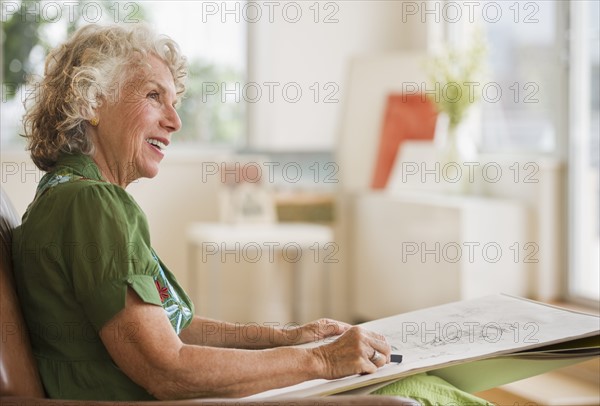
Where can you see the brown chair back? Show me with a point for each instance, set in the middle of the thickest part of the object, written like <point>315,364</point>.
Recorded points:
<point>19,375</point>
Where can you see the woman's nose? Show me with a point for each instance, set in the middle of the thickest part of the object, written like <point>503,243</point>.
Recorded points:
<point>171,120</point>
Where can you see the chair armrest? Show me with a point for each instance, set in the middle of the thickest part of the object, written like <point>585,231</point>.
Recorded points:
<point>374,400</point>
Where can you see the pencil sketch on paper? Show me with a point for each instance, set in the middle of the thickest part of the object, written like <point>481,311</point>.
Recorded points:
<point>457,333</point>
<point>486,325</point>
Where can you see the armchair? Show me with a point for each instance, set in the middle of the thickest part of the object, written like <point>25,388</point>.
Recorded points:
<point>20,383</point>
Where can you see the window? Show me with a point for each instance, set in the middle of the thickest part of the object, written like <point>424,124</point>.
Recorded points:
<point>524,67</point>
<point>544,58</point>
<point>519,110</point>
<point>211,34</point>
<point>213,37</point>
<point>584,149</point>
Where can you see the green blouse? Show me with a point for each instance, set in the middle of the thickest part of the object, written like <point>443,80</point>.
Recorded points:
<point>82,242</point>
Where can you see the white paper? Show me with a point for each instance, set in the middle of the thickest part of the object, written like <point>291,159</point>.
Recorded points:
<point>456,332</point>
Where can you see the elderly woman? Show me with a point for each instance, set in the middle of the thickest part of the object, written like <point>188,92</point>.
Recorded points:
<point>107,319</point>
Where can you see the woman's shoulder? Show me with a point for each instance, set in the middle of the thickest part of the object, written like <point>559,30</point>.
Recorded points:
<point>68,192</point>
<point>85,188</point>
<point>76,176</point>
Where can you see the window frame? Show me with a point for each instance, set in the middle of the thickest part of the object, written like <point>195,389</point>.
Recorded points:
<point>578,130</point>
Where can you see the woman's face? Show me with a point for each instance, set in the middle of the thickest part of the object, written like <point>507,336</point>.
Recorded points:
<point>134,131</point>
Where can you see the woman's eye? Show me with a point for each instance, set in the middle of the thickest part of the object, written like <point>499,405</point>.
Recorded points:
<point>154,95</point>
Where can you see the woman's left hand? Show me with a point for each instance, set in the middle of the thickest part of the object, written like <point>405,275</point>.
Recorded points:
<point>314,331</point>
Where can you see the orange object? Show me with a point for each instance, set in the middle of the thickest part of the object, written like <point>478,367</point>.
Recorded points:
<point>407,117</point>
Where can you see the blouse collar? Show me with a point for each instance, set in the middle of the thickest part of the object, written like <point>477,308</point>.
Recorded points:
<point>80,165</point>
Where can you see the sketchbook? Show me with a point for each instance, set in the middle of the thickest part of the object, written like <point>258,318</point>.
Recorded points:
<point>473,344</point>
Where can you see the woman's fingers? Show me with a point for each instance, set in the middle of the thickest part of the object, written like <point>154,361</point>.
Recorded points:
<point>357,351</point>
<point>378,359</point>
<point>379,348</point>
<point>322,328</point>
<point>379,343</point>
<point>329,327</point>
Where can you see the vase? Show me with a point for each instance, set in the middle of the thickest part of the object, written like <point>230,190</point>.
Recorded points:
<point>456,156</point>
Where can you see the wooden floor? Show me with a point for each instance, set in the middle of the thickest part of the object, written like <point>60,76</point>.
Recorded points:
<point>577,385</point>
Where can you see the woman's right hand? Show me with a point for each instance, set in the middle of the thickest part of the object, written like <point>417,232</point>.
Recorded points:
<point>354,352</point>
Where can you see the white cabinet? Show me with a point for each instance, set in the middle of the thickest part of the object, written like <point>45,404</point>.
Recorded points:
<point>414,249</point>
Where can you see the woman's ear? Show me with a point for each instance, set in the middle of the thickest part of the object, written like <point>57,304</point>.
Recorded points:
<point>93,114</point>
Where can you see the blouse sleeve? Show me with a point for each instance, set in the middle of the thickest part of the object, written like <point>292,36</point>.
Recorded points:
<point>108,249</point>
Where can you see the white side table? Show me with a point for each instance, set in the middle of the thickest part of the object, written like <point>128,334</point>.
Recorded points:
<point>294,242</point>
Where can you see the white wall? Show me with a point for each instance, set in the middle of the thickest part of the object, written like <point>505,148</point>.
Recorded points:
<point>19,178</point>
<point>305,53</point>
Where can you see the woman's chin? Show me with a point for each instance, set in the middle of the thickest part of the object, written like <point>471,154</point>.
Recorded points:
<point>150,172</point>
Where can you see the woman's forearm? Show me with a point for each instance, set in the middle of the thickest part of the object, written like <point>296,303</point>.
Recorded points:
<point>168,368</point>
<point>216,333</point>
<point>219,372</point>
